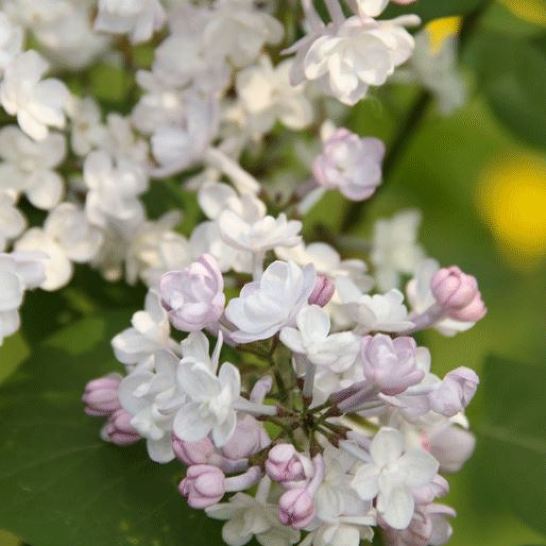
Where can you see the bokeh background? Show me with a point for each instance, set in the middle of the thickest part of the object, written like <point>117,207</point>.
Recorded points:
<point>479,177</point>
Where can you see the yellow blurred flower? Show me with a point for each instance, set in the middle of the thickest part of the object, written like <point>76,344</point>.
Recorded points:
<point>511,197</point>
<point>439,30</point>
<point>529,10</point>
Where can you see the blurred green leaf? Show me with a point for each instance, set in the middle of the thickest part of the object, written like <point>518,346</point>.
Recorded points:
<point>60,485</point>
<point>511,73</point>
<point>434,9</point>
<point>511,443</point>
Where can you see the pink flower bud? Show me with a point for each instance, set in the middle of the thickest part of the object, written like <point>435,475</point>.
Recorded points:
<point>350,164</point>
<point>296,508</point>
<point>194,296</point>
<point>203,485</point>
<point>193,453</point>
<point>284,465</point>
<point>455,392</point>
<point>323,291</point>
<point>118,429</point>
<point>458,294</point>
<point>101,395</point>
<point>473,312</point>
<point>390,364</point>
<point>404,2</point>
<point>249,438</point>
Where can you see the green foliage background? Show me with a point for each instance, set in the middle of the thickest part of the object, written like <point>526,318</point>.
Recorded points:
<point>61,486</point>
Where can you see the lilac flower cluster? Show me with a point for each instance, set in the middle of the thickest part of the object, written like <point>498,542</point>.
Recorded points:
<point>329,425</point>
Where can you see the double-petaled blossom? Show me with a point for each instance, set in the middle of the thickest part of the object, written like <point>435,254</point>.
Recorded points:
<point>150,332</point>
<point>210,398</point>
<point>390,364</point>
<point>312,338</point>
<point>350,164</point>
<point>391,475</point>
<point>150,395</point>
<point>264,307</point>
<point>348,56</point>
<point>455,392</point>
<point>266,96</point>
<point>194,297</point>
<point>261,235</point>
<point>38,104</point>
<point>380,312</point>
<point>248,516</point>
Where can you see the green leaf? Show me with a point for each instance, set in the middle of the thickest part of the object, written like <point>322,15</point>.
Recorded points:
<point>434,9</point>
<point>511,442</point>
<point>511,74</point>
<point>60,485</point>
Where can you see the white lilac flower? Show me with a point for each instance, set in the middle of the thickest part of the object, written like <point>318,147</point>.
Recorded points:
<point>19,271</point>
<point>12,221</point>
<point>114,188</point>
<point>28,166</point>
<point>436,69</point>
<point>312,338</point>
<point>11,41</point>
<point>238,30</point>
<point>391,475</point>
<point>185,139</point>
<point>264,307</point>
<point>139,18</point>
<point>123,143</point>
<point>68,40</point>
<point>86,129</point>
<point>156,248</point>
<point>38,104</point>
<point>66,237</point>
<point>395,250</point>
<point>380,312</point>
<point>247,517</point>
<point>210,399</point>
<point>261,235</point>
<point>194,296</point>
<point>150,332</point>
<point>350,164</point>
<point>326,260</point>
<point>266,95</point>
<point>149,393</point>
<point>346,58</point>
